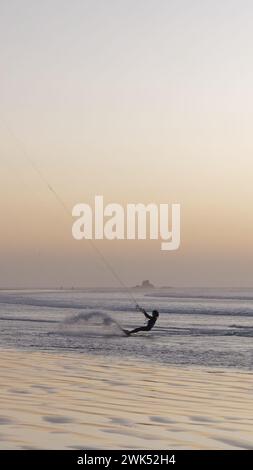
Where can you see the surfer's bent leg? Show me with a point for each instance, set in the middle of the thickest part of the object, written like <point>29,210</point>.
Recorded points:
<point>141,328</point>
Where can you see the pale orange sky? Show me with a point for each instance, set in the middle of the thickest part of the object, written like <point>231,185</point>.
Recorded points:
<point>147,101</point>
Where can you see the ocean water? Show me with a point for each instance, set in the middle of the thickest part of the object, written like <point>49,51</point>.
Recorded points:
<point>203,327</point>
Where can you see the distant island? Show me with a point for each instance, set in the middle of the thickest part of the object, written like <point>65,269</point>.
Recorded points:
<point>145,285</point>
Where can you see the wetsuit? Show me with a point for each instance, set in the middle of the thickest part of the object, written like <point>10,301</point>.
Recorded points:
<point>149,325</point>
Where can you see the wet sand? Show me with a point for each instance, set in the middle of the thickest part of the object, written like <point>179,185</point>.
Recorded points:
<point>75,401</point>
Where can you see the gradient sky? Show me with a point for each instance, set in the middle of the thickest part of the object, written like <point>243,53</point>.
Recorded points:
<point>140,101</point>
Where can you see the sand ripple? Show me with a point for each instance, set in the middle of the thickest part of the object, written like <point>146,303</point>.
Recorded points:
<point>53,401</point>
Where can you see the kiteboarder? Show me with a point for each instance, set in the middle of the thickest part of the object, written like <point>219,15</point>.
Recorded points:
<point>150,323</point>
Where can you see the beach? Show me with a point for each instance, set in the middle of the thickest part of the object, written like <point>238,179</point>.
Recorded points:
<point>70,401</point>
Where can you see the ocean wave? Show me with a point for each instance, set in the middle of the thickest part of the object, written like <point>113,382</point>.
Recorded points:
<point>24,319</point>
<point>198,296</point>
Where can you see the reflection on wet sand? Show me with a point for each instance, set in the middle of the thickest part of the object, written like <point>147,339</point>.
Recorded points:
<point>52,401</point>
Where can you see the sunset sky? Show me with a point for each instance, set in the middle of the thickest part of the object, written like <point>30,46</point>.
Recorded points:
<point>139,101</point>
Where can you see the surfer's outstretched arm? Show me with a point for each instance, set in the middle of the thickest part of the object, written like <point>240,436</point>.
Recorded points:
<point>146,314</point>
<point>140,309</point>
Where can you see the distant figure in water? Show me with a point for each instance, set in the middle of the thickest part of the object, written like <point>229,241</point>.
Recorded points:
<point>151,322</point>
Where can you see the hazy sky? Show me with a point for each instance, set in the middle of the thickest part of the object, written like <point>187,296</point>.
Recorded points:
<point>140,101</point>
